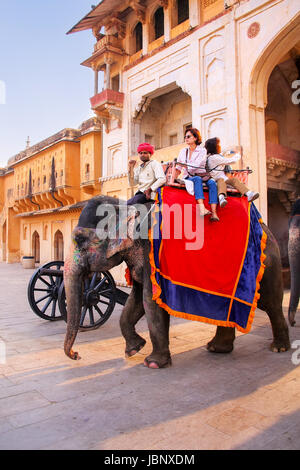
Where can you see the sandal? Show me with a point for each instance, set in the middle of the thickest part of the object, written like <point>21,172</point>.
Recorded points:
<point>214,218</point>
<point>204,212</point>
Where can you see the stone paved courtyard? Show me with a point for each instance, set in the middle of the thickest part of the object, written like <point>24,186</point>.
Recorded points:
<point>249,399</point>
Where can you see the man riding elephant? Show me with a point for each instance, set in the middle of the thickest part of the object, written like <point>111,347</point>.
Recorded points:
<point>149,175</point>
<point>93,252</point>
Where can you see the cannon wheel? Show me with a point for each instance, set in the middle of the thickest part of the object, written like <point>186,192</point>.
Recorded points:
<point>43,290</point>
<point>99,299</point>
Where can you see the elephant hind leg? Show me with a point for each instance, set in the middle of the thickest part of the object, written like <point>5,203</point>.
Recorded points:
<point>223,340</point>
<point>272,305</point>
<point>281,340</point>
<point>131,314</point>
<point>271,296</point>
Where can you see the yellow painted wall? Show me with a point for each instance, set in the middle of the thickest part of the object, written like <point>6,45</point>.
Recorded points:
<point>211,8</point>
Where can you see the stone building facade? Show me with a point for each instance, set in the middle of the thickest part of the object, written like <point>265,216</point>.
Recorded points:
<point>40,190</point>
<point>230,68</point>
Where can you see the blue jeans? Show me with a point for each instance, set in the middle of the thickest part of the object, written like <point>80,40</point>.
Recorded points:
<point>198,189</point>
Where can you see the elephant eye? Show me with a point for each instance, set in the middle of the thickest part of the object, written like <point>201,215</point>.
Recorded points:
<point>79,239</point>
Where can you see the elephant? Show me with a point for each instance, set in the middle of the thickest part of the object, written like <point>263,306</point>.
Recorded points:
<point>91,253</point>
<point>294,260</point>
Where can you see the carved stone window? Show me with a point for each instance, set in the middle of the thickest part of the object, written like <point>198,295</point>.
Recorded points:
<point>115,82</point>
<point>182,10</point>
<point>159,23</point>
<point>138,35</point>
<point>272,131</point>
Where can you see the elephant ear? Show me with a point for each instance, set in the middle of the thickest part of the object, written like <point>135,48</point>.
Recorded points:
<point>126,230</point>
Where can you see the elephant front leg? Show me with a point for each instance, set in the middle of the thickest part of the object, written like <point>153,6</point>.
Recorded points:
<point>158,324</point>
<point>131,314</point>
<point>223,340</point>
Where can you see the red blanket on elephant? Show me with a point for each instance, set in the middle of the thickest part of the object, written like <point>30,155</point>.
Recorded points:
<point>203,270</point>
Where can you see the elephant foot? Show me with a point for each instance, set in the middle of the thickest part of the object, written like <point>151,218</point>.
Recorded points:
<point>129,352</point>
<point>218,347</point>
<point>278,347</point>
<point>73,355</point>
<point>153,363</point>
<point>223,340</point>
<point>291,317</point>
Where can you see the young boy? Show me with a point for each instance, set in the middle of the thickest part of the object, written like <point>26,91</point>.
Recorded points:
<point>216,163</point>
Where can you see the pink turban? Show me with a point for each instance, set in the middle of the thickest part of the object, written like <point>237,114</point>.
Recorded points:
<point>145,147</point>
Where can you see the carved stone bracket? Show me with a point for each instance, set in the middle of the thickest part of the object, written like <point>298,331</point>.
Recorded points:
<point>141,108</point>
<point>102,121</point>
<point>283,175</point>
<point>287,198</point>
<point>96,32</point>
<point>139,9</point>
<point>115,25</point>
<point>116,113</point>
<point>163,3</point>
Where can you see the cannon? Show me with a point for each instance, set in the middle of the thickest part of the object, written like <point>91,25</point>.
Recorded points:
<point>47,299</point>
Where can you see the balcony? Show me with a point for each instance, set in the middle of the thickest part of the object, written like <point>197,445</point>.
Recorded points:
<point>108,47</point>
<point>283,167</point>
<point>108,105</point>
<point>90,185</point>
<point>107,98</point>
<point>106,43</point>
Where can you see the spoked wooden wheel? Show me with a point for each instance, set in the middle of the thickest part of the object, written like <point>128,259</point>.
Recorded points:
<point>43,290</point>
<point>98,302</point>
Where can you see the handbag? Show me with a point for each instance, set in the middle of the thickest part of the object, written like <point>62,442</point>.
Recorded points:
<point>204,174</point>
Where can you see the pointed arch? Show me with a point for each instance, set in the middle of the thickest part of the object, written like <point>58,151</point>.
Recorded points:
<point>58,246</point>
<point>36,246</point>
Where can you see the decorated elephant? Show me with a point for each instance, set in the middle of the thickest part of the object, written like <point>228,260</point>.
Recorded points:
<point>92,252</point>
<point>294,260</point>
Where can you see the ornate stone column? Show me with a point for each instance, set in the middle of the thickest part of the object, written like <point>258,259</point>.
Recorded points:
<point>96,81</point>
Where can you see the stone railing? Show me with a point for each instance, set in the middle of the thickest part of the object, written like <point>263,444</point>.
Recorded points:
<point>280,152</point>
<point>107,41</point>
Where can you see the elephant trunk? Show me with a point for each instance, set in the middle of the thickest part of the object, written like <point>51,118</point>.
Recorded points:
<point>73,288</point>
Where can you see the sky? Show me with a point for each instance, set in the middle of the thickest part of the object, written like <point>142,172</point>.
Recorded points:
<point>43,87</point>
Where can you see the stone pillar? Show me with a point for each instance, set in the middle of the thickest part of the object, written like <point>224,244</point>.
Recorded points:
<point>107,77</point>
<point>194,12</point>
<point>167,22</point>
<point>145,38</point>
<point>96,82</point>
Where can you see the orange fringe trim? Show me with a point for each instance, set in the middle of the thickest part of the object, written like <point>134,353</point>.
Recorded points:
<point>128,277</point>
<point>156,289</point>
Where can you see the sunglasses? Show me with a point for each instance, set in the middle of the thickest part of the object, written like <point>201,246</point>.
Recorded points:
<point>188,136</point>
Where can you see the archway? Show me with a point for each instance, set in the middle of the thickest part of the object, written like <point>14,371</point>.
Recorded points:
<point>58,246</point>
<point>162,117</point>
<point>276,49</point>
<point>36,246</point>
<point>275,130</point>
